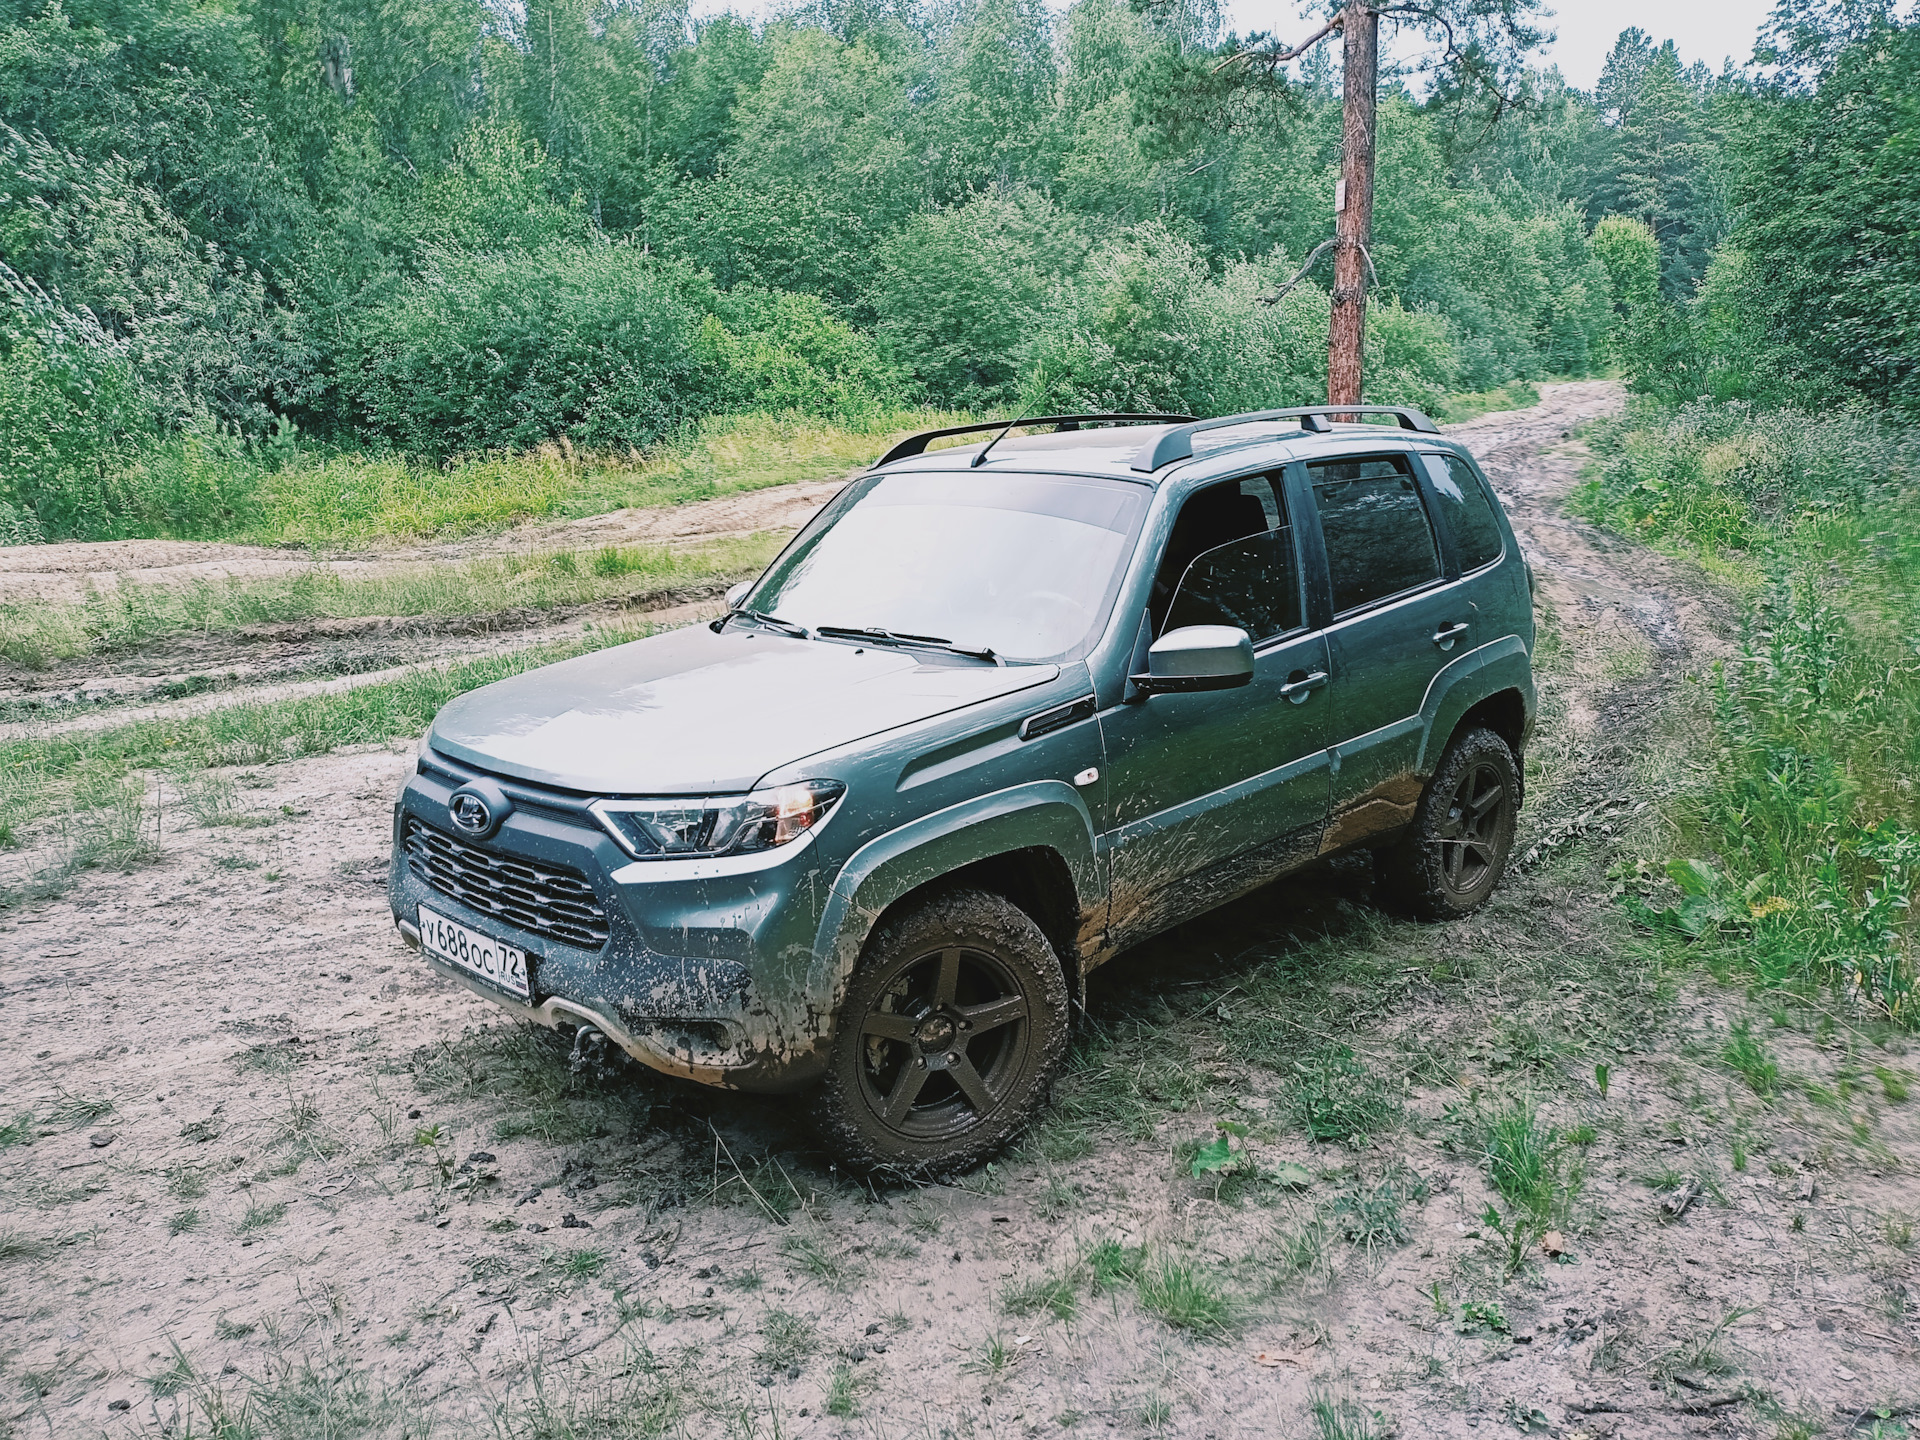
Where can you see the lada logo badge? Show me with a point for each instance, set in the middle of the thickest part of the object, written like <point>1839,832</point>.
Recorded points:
<point>470,812</point>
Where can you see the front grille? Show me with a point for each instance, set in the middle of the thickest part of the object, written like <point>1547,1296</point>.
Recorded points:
<point>550,900</point>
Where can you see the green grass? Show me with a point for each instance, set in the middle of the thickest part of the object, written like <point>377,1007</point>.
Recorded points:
<point>1188,1295</point>
<point>1465,405</point>
<point>1339,1097</point>
<point>786,1339</point>
<point>128,617</point>
<point>1519,1159</point>
<point>1340,1417</point>
<point>329,499</point>
<point>842,1398</point>
<point>262,1215</point>
<point>1747,1055</point>
<point>1057,1293</point>
<point>1794,856</point>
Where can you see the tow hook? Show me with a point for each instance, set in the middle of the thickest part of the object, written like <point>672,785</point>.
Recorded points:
<point>593,1056</point>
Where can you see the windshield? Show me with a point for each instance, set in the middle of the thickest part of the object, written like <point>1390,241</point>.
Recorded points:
<point>1025,565</point>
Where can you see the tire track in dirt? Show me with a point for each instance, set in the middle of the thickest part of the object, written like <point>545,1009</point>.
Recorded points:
<point>1633,623</point>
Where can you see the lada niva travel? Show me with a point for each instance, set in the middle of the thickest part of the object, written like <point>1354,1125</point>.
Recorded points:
<point>999,711</point>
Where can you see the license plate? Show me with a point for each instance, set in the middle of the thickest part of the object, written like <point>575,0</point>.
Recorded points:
<point>492,960</point>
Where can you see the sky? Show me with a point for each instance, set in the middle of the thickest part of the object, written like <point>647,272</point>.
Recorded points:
<point>1709,30</point>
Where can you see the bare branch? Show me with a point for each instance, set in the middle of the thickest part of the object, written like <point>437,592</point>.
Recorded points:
<point>1277,296</point>
<point>1272,59</point>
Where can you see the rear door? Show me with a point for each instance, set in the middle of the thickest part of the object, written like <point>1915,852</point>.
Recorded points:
<point>1212,794</point>
<point>1399,615</point>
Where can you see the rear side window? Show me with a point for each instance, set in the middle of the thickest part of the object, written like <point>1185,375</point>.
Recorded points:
<point>1466,510</point>
<point>1252,580</point>
<point>1379,540</point>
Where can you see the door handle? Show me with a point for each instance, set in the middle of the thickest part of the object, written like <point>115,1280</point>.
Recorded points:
<point>1447,634</point>
<point>1297,690</point>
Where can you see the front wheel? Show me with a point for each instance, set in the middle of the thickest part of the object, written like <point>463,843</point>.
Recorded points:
<point>952,1030</point>
<point>1455,852</point>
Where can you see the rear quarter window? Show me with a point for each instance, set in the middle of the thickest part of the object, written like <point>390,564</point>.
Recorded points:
<point>1466,510</point>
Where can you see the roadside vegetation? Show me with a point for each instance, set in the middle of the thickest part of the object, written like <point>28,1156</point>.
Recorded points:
<point>1794,861</point>
<point>130,617</point>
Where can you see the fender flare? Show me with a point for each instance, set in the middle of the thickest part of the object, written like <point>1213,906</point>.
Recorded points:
<point>1043,814</point>
<point>1503,664</point>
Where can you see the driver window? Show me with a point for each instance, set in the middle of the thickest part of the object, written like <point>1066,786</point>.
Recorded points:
<point>1231,561</point>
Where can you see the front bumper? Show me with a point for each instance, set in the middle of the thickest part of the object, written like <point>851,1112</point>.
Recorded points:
<point>706,970</point>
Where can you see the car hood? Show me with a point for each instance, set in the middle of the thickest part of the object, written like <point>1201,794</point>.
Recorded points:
<point>691,712</point>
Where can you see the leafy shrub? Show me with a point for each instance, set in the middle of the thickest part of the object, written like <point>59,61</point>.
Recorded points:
<point>784,353</point>
<point>958,290</point>
<point>512,348</point>
<point>1720,475</point>
<point>68,406</point>
<point>194,328</point>
<point>1147,328</point>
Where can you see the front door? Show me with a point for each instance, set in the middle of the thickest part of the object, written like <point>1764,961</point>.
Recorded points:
<point>1397,621</point>
<point>1210,795</point>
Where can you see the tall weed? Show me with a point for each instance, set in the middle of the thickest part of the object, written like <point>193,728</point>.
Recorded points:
<point>1801,851</point>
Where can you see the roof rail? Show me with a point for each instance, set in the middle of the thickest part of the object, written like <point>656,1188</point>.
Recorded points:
<point>1177,444</point>
<point>917,444</point>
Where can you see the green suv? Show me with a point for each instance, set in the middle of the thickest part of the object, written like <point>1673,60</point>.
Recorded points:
<point>998,712</point>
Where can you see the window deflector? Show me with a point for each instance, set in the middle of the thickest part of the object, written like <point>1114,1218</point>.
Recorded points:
<point>1279,577</point>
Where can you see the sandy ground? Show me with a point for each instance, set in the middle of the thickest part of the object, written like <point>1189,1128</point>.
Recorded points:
<point>269,1168</point>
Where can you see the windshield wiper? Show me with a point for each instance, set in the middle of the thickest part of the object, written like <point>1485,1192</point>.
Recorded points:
<point>772,622</point>
<point>879,635</point>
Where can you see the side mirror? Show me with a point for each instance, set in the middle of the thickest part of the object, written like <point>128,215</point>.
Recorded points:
<point>736,594</point>
<point>1198,657</point>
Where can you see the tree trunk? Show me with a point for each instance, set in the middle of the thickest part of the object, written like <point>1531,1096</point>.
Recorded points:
<point>1353,224</point>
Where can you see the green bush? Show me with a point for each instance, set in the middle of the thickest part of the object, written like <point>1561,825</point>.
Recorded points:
<point>194,328</point>
<point>512,348</point>
<point>1146,327</point>
<point>958,290</point>
<point>69,407</point>
<point>782,353</point>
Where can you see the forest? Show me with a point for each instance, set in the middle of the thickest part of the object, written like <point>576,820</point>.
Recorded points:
<point>255,254</point>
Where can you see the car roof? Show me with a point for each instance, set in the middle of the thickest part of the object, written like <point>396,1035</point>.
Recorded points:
<point>1110,451</point>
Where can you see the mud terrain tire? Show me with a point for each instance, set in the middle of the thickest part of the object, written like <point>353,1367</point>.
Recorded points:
<point>950,1037</point>
<point>1456,850</point>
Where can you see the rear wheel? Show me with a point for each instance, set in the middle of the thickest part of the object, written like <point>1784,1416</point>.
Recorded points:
<point>952,1031</point>
<point>1456,850</point>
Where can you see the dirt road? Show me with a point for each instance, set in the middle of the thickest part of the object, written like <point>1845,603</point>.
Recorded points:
<point>61,573</point>
<point>265,1169</point>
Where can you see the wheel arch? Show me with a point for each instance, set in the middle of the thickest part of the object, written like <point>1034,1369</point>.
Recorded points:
<point>1033,844</point>
<point>1036,880</point>
<point>1493,688</point>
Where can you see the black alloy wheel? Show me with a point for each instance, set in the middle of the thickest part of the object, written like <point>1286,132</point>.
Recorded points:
<point>1455,851</point>
<point>952,1029</point>
<point>1477,829</point>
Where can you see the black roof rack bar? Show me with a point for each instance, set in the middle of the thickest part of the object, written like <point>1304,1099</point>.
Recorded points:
<point>917,444</point>
<point>1177,444</point>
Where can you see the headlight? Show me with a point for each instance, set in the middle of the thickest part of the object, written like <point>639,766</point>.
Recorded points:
<point>678,829</point>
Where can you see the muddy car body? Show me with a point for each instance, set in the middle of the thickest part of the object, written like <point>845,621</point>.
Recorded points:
<point>1128,672</point>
